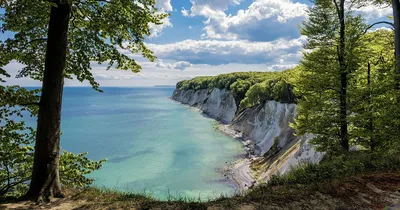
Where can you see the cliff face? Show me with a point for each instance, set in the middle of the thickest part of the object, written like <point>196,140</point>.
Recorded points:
<point>266,126</point>
<point>218,104</point>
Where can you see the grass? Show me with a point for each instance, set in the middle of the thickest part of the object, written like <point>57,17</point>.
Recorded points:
<point>306,181</point>
<point>338,182</point>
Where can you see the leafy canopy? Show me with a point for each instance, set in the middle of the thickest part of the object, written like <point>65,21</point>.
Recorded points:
<point>248,88</point>
<point>102,31</point>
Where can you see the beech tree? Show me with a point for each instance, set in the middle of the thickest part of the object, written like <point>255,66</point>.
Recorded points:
<point>326,32</point>
<point>322,83</point>
<point>57,39</point>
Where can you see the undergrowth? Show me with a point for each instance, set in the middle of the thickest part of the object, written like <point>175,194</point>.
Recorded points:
<point>346,165</point>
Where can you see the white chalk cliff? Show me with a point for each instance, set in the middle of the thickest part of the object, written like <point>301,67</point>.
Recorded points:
<point>262,125</point>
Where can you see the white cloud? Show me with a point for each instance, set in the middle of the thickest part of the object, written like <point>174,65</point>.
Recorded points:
<point>371,11</point>
<point>211,7</point>
<point>263,20</point>
<point>163,6</point>
<point>280,67</point>
<point>181,65</point>
<point>156,30</point>
<point>216,52</point>
<point>185,12</point>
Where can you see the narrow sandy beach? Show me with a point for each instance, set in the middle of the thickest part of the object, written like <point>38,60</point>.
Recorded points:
<point>240,171</point>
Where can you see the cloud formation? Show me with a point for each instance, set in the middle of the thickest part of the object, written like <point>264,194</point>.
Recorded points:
<point>216,52</point>
<point>163,6</point>
<point>371,11</point>
<point>263,20</point>
<point>181,65</point>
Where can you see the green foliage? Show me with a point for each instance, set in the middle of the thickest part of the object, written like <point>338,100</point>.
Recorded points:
<point>73,169</point>
<point>16,152</point>
<point>350,164</point>
<point>374,118</point>
<point>197,83</point>
<point>248,88</point>
<point>16,156</point>
<point>319,80</point>
<point>15,138</point>
<point>100,31</point>
<point>375,111</point>
<point>278,89</point>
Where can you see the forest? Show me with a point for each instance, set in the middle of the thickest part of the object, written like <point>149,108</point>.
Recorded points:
<point>346,87</point>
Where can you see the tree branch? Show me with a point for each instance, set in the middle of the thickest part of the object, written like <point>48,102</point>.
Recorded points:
<point>337,7</point>
<point>6,188</point>
<point>377,23</point>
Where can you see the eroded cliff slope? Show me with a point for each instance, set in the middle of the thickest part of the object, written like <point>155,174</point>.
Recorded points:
<point>265,127</point>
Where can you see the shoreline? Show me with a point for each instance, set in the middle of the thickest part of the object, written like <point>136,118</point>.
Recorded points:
<point>239,170</point>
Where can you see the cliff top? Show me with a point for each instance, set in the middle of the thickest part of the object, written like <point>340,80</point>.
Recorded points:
<point>248,88</point>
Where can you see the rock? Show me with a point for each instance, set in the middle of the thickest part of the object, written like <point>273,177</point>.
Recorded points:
<point>260,128</point>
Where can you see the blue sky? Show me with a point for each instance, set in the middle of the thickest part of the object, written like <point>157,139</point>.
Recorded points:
<point>210,37</point>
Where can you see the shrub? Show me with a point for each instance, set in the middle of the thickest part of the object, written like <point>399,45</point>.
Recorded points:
<point>338,167</point>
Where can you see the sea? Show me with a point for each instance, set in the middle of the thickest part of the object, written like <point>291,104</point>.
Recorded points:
<point>154,145</point>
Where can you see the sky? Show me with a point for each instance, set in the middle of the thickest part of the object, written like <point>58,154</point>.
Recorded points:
<point>211,37</point>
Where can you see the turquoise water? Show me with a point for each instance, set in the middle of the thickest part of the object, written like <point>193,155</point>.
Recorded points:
<point>153,144</point>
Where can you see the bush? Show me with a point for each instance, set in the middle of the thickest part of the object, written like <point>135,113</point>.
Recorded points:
<point>338,167</point>
<point>16,151</point>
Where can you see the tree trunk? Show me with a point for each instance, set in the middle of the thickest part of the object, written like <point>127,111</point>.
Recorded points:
<point>370,111</point>
<point>396,15</point>
<point>344,137</point>
<point>45,181</point>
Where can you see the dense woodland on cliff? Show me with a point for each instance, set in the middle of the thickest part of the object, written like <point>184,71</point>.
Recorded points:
<point>347,86</point>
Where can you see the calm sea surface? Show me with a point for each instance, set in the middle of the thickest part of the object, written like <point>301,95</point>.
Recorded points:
<point>153,144</point>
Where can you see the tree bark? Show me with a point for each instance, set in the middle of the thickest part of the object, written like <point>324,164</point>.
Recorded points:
<point>45,181</point>
<point>344,137</point>
<point>396,15</point>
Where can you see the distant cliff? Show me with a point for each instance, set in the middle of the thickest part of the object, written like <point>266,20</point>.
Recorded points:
<point>265,126</point>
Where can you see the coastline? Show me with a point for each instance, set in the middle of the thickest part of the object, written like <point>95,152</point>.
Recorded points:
<point>239,171</point>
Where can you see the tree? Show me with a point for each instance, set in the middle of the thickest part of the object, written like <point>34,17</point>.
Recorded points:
<point>375,111</point>
<point>57,39</point>
<point>323,76</point>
